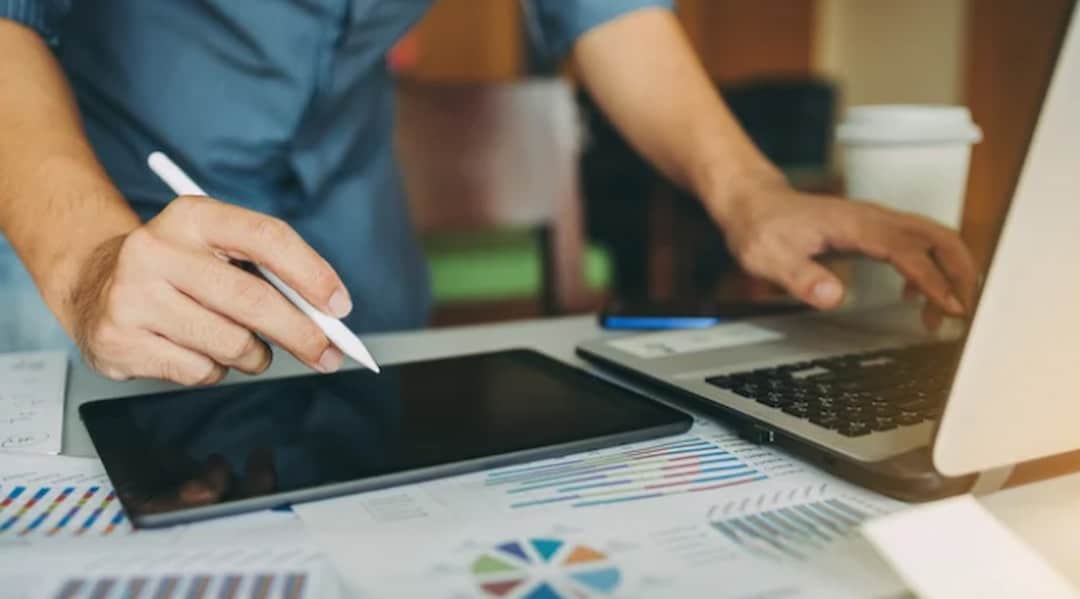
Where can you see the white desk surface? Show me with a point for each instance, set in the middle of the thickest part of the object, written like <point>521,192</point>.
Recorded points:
<point>1045,514</point>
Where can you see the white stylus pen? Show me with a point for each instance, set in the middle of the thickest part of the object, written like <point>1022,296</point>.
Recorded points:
<point>335,330</point>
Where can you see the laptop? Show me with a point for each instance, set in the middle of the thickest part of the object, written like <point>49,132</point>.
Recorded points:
<point>869,395</point>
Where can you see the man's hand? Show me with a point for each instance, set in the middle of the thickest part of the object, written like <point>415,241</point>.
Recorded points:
<point>165,302</point>
<point>777,234</point>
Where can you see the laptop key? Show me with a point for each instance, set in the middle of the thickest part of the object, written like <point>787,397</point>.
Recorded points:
<point>773,400</point>
<point>856,428</point>
<point>827,420</point>
<point>826,402</point>
<point>823,389</point>
<point>908,417</point>
<point>890,411</point>
<point>878,401</point>
<point>883,423</point>
<point>801,395</point>
<point>776,385</point>
<point>854,411</point>
<point>853,397</point>
<point>800,409</point>
<point>749,390</point>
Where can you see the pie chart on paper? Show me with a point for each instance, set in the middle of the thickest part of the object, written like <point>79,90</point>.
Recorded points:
<point>545,568</point>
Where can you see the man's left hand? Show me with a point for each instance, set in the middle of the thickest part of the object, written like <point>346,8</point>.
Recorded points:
<point>778,234</point>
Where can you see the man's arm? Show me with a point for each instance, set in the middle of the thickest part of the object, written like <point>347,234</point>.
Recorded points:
<point>642,71</point>
<point>157,299</point>
<point>56,202</point>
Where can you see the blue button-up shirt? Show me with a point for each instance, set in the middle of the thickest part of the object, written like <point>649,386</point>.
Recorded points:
<point>283,106</point>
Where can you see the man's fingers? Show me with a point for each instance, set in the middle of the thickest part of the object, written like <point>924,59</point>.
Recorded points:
<point>188,324</point>
<point>128,324</point>
<point>254,304</point>
<point>270,242</point>
<point>951,255</point>
<point>911,290</point>
<point>905,242</point>
<point>932,318</point>
<point>162,359</point>
<point>803,278</point>
<point>917,266</point>
<point>959,266</point>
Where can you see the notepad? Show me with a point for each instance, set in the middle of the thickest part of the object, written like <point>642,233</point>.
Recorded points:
<point>32,401</point>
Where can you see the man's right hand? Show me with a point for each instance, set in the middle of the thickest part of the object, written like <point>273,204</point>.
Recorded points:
<point>165,302</point>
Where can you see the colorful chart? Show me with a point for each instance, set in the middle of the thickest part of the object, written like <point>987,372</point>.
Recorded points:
<point>49,511</point>
<point>292,585</point>
<point>658,470</point>
<point>795,531</point>
<point>543,568</point>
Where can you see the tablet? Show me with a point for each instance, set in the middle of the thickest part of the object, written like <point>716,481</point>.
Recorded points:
<point>187,455</point>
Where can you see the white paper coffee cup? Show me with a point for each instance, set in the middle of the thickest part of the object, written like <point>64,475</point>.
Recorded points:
<point>911,158</point>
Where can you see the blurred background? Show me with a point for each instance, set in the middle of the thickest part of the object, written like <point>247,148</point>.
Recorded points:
<point>531,204</point>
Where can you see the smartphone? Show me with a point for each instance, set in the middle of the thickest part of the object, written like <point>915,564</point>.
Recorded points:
<point>644,315</point>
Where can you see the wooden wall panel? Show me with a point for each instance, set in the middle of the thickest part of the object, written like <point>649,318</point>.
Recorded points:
<point>469,40</point>
<point>480,40</point>
<point>886,52</point>
<point>1012,49</point>
<point>740,39</point>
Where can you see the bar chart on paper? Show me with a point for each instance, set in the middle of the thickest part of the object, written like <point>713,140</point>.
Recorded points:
<point>59,510</point>
<point>685,465</point>
<point>545,568</point>
<point>290,585</point>
<point>220,571</point>
<point>797,530</point>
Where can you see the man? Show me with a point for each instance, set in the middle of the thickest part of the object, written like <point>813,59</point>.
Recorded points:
<point>285,109</point>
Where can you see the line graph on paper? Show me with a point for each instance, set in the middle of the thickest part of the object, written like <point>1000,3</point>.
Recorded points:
<point>685,465</point>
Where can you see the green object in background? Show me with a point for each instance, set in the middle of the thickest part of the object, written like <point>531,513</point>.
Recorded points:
<point>497,265</point>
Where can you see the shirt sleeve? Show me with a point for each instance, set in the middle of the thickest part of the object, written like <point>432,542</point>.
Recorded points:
<point>40,15</point>
<point>562,22</point>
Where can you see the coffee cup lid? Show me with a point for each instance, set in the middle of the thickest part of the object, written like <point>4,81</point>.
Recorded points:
<point>895,124</point>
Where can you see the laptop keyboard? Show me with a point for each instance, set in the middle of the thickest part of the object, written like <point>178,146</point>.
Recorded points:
<point>855,394</point>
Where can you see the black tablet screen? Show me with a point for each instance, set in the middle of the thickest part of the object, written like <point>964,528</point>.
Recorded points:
<point>177,450</point>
